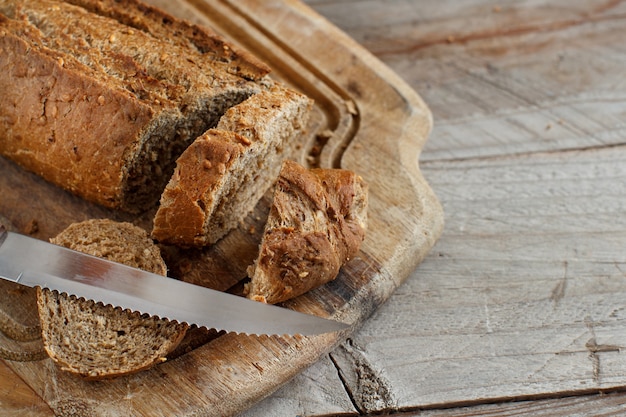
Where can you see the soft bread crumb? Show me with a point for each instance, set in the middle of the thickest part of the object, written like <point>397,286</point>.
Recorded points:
<point>97,341</point>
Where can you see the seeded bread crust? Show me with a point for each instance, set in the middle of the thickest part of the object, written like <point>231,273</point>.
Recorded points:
<point>100,108</point>
<point>221,177</point>
<point>96,341</point>
<point>210,47</point>
<point>316,224</point>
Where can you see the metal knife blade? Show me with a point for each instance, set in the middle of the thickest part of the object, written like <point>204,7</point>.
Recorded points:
<point>33,262</point>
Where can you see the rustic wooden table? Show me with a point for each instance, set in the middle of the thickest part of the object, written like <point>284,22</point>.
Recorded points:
<point>518,309</point>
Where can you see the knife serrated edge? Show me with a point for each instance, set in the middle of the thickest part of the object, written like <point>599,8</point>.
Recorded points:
<point>33,263</point>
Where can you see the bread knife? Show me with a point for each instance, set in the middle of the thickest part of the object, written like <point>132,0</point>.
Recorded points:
<point>35,263</point>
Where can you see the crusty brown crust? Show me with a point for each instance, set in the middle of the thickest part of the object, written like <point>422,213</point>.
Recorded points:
<point>316,223</point>
<point>43,127</point>
<point>153,20</point>
<point>192,193</point>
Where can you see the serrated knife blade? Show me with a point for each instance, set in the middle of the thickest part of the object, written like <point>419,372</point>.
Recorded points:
<point>32,262</point>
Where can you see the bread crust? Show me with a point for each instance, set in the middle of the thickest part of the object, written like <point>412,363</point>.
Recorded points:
<point>212,47</point>
<point>49,109</point>
<point>193,191</point>
<point>316,223</point>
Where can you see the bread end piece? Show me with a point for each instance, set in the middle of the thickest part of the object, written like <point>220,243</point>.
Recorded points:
<point>316,224</point>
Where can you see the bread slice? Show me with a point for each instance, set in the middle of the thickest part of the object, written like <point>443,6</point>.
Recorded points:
<point>221,177</point>
<point>316,223</point>
<point>100,108</point>
<point>97,341</point>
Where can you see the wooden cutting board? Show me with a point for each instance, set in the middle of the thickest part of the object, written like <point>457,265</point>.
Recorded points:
<point>365,119</point>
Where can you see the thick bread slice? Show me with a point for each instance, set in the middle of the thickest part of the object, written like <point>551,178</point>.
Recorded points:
<point>90,136</point>
<point>96,341</point>
<point>221,177</point>
<point>211,48</point>
<point>316,223</point>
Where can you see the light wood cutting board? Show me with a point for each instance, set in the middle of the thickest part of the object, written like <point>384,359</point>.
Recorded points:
<point>365,119</point>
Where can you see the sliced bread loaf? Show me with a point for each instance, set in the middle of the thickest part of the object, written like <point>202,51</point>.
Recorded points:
<point>221,177</point>
<point>101,108</point>
<point>316,223</point>
<point>97,341</point>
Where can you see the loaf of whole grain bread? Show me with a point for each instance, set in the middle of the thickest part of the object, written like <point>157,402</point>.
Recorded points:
<point>221,177</point>
<point>102,108</point>
<point>97,341</point>
<point>316,223</point>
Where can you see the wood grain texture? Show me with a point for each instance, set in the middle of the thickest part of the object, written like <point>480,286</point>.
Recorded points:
<point>502,77</point>
<point>515,300</point>
<point>522,296</point>
<point>367,120</point>
<point>17,399</point>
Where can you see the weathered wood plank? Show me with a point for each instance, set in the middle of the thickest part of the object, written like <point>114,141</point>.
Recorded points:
<point>296,399</point>
<point>524,295</point>
<point>613,404</point>
<point>502,77</point>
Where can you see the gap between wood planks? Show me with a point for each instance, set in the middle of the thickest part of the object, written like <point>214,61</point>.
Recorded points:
<point>424,164</point>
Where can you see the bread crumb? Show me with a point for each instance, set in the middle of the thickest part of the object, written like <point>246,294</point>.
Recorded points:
<point>112,38</point>
<point>206,164</point>
<point>61,61</point>
<point>252,230</point>
<point>101,100</point>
